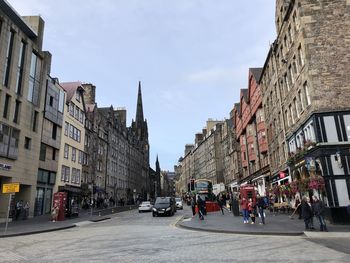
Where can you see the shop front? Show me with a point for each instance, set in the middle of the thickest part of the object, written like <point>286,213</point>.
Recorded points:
<point>73,199</point>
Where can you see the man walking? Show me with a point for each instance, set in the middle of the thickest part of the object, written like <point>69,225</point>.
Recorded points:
<point>261,206</point>
<point>318,207</point>
<point>200,208</point>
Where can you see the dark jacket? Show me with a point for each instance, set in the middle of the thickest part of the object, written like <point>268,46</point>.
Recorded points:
<point>261,203</point>
<point>318,208</point>
<point>306,210</point>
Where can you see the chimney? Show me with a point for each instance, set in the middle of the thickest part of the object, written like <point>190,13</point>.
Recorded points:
<point>90,93</point>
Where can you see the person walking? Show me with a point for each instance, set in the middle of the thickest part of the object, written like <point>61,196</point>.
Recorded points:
<point>298,206</point>
<point>26,210</point>
<point>306,212</point>
<point>244,207</point>
<point>221,203</point>
<point>200,206</point>
<point>261,207</point>
<point>251,210</point>
<point>54,213</point>
<point>318,208</point>
<point>193,205</point>
<point>19,207</point>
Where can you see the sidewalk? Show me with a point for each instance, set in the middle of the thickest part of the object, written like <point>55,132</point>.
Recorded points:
<point>280,224</point>
<point>43,223</point>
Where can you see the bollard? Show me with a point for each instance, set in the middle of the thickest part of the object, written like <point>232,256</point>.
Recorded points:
<point>99,213</point>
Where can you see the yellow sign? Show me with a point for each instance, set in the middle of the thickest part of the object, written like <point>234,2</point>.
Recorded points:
<point>10,188</point>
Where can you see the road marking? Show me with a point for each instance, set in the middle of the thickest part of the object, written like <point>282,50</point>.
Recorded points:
<point>177,219</point>
<point>9,256</point>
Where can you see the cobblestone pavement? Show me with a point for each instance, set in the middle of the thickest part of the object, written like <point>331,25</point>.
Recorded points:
<point>133,237</point>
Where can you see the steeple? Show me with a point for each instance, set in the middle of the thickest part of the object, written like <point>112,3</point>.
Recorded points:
<point>139,110</point>
<point>157,166</point>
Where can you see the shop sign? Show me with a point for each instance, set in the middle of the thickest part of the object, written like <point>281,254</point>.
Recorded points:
<point>10,188</point>
<point>5,167</point>
<point>282,175</point>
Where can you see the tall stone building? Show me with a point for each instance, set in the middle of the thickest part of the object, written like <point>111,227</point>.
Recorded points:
<point>23,71</point>
<point>50,145</point>
<point>251,134</point>
<point>305,84</point>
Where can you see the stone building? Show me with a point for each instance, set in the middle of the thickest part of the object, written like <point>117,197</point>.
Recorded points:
<point>96,145</point>
<point>50,145</point>
<point>251,134</point>
<point>305,84</point>
<point>23,71</point>
<point>70,161</point>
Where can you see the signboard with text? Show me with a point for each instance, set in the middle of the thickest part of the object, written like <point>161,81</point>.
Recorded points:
<point>10,188</point>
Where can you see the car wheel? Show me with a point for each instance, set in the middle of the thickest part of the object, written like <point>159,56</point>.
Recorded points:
<point>139,211</point>
<point>153,215</point>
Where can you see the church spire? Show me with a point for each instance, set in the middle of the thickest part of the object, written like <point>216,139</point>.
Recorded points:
<point>139,110</point>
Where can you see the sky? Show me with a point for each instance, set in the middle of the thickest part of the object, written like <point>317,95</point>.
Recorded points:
<point>191,56</point>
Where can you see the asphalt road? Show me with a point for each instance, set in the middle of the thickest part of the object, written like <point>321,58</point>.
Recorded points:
<point>133,237</point>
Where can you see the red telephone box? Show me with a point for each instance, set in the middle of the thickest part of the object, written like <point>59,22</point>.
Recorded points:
<point>248,191</point>
<point>60,199</point>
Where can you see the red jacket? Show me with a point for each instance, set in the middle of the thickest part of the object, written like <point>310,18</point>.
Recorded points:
<point>244,204</point>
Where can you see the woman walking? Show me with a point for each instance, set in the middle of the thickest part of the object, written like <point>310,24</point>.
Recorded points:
<point>244,207</point>
<point>251,211</point>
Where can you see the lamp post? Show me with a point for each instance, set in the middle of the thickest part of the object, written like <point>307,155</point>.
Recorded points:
<point>91,186</point>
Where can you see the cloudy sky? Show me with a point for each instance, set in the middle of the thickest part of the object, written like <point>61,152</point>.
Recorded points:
<point>191,56</point>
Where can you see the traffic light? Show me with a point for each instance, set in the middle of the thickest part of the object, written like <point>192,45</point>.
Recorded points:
<point>192,184</point>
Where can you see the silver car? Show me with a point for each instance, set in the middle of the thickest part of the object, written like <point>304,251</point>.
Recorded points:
<point>179,204</point>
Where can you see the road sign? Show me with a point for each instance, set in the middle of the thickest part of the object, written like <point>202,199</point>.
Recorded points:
<point>10,188</point>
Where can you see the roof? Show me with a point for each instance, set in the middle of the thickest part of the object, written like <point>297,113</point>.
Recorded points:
<point>238,108</point>
<point>71,88</point>
<point>245,94</point>
<point>256,73</point>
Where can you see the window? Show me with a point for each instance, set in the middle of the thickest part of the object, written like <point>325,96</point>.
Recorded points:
<point>331,130</point>
<point>5,132</point>
<point>34,75</point>
<point>296,107</point>
<point>35,121</point>
<point>300,57</point>
<point>307,95</point>
<point>17,110</point>
<point>14,142</point>
<point>42,156</point>
<point>54,131</point>
<point>77,112</point>
<point>65,173</point>
<point>7,106</point>
<point>301,100</point>
<point>66,151</point>
<point>74,154</point>
<point>51,101</point>
<point>80,157</point>
<point>71,129</point>
<point>71,108</point>
<point>54,154</point>
<point>61,101</point>
<point>286,81</point>
<point>8,58</point>
<point>78,176</point>
<point>27,143</point>
<point>66,127</point>
<point>77,95</point>
<point>291,114</point>
<point>81,117</point>
<point>20,66</point>
<point>74,175</point>
<point>291,75</point>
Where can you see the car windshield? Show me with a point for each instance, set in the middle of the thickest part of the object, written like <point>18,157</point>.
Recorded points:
<point>162,201</point>
<point>178,199</point>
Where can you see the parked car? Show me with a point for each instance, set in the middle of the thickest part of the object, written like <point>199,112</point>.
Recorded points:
<point>164,206</point>
<point>179,204</point>
<point>145,206</point>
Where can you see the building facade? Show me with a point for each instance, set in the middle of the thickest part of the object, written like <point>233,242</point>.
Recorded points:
<point>23,70</point>
<point>251,133</point>
<point>50,145</point>
<point>305,87</point>
<point>70,162</point>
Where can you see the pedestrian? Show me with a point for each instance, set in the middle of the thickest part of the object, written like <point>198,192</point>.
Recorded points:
<point>318,209</point>
<point>298,206</point>
<point>19,207</point>
<point>261,206</point>
<point>244,207</point>
<point>54,213</point>
<point>193,205</point>
<point>251,210</point>
<point>306,212</point>
<point>221,203</point>
<point>26,210</point>
<point>200,206</point>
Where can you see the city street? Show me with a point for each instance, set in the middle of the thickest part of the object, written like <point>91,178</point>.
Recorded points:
<point>133,237</point>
